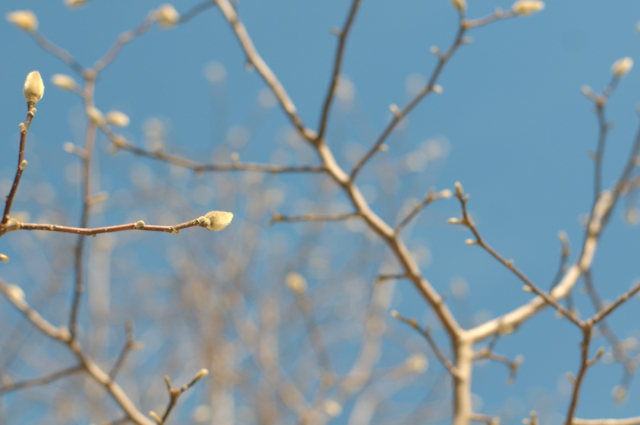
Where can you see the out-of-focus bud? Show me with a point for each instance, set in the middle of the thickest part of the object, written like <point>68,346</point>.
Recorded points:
<point>460,5</point>
<point>4,258</point>
<point>417,363</point>
<point>332,408</point>
<point>117,118</point>
<point>23,19</point>
<point>527,7</point>
<point>75,3</point>
<point>15,293</point>
<point>95,116</point>
<point>445,194</point>
<point>218,220</point>
<point>168,16</point>
<point>63,82</point>
<point>201,374</point>
<point>621,67</point>
<point>586,90</point>
<point>33,87</point>
<point>296,282</point>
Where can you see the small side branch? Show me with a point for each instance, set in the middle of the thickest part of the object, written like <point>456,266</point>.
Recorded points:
<point>426,333</point>
<point>342,35</point>
<point>174,393</point>
<point>129,346</point>
<point>139,225</point>
<point>277,217</point>
<point>40,381</point>
<point>419,206</point>
<point>468,222</point>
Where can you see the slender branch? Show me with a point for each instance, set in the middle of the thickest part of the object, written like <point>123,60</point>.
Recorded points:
<point>24,129</point>
<point>139,225</point>
<point>90,139</point>
<point>624,421</point>
<point>61,54</point>
<point>277,218</point>
<point>195,11</point>
<point>123,39</point>
<point>129,346</point>
<point>174,393</point>
<point>584,365</point>
<point>40,381</point>
<point>263,69</point>
<point>419,206</point>
<point>621,299</point>
<point>344,33</point>
<point>120,143</point>
<point>468,222</point>
<point>426,333</point>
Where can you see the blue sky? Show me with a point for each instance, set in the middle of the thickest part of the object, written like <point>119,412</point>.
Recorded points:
<point>517,128</point>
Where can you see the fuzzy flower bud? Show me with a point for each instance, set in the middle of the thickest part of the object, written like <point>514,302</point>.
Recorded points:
<point>201,374</point>
<point>621,67</point>
<point>460,5</point>
<point>117,118</point>
<point>417,363</point>
<point>95,116</point>
<point>33,87</point>
<point>23,19</point>
<point>218,220</point>
<point>527,7</point>
<point>167,16</point>
<point>4,258</point>
<point>63,82</point>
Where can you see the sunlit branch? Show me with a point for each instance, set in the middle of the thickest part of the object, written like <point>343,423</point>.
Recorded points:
<point>138,225</point>
<point>426,333</point>
<point>174,393</point>
<point>468,222</point>
<point>39,381</point>
<point>443,59</point>
<point>342,35</point>
<point>24,129</point>
<point>120,143</point>
<point>419,206</point>
<point>624,421</point>
<point>261,66</point>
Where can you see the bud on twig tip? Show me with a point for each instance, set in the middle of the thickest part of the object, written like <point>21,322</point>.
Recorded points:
<point>33,87</point>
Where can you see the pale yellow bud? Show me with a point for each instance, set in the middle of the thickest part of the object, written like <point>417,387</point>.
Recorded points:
<point>296,282</point>
<point>621,67</point>
<point>460,5</point>
<point>332,408</point>
<point>437,89</point>
<point>23,19</point>
<point>417,363</point>
<point>95,116</point>
<point>445,194</point>
<point>139,224</point>
<point>167,16</point>
<point>63,82</point>
<point>201,374</point>
<point>527,7</point>
<point>117,118</point>
<point>33,87</point>
<point>4,258</point>
<point>218,220</point>
<point>75,3</point>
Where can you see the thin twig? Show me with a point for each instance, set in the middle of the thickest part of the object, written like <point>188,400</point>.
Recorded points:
<point>344,33</point>
<point>174,393</point>
<point>263,69</point>
<point>129,346</point>
<point>139,225</point>
<point>40,381</point>
<point>426,333</point>
<point>277,218</point>
<point>120,143</point>
<point>468,222</point>
<point>61,54</point>
<point>419,206</point>
<point>24,129</point>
